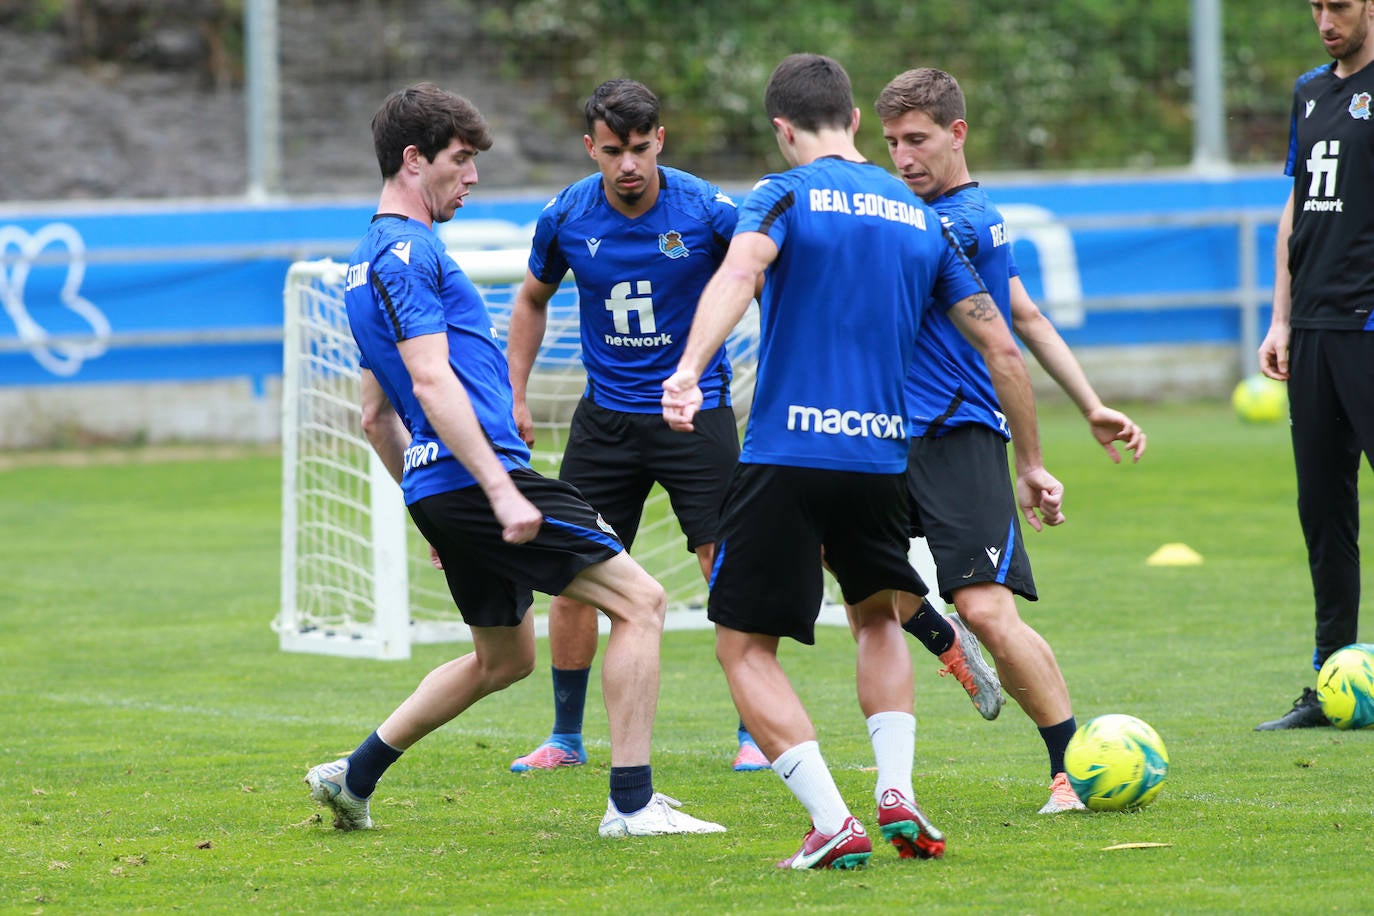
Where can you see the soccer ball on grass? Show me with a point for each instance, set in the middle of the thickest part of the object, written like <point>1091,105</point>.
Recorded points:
<point>1345,686</point>
<point>1260,399</point>
<point>1116,762</point>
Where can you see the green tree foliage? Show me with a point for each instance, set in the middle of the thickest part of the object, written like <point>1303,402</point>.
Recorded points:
<point>1064,84</point>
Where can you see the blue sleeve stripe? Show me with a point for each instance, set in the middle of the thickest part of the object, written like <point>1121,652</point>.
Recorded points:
<point>1291,163</point>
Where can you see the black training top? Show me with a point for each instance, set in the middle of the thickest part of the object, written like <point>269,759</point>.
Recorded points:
<point>1331,160</point>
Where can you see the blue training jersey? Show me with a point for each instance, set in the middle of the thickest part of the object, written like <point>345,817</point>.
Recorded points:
<point>949,385</point>
<point>402,283</point>
<point>638,281</point>
<point>859,257</point>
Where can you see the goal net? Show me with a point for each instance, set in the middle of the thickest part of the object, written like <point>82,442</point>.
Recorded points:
<point>356,577</point>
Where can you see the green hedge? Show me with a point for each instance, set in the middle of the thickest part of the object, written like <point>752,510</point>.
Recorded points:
<point>1050,83</point>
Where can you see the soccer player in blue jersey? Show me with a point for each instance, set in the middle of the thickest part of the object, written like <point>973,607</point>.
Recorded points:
<point>957,468</point>
<point>851,260</point>
<point>437,408</point>
<point>641,241</point>
<point>1321,333</point>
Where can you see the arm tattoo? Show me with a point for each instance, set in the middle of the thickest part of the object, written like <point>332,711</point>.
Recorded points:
<point>981,307</point>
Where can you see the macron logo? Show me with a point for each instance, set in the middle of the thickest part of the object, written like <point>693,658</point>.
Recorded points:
<point>994,554</point>
<point>402,251</point>
<point>592,246</point>
<point>1311,103</point>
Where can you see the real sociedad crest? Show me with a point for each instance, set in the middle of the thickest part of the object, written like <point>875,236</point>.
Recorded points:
<point>671,244</point>
<point>1359,106</point>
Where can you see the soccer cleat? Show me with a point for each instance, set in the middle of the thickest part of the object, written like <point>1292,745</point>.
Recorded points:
<point>558,751</point>
<point>328,786</point>
<point>1306,713</point>
<point>906,827</point>
<point>657,818</point>
<point>849,848</point>
<point>750,758</point>
<point>1062,797</point>
<point>965,661</point>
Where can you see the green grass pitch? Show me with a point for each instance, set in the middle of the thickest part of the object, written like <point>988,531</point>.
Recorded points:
<point>153,738</point>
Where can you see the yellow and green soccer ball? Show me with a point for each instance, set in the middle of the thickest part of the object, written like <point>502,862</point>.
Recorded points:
<point>1116,762</point>
<point>1345,686</point>
<point>1260,399</point>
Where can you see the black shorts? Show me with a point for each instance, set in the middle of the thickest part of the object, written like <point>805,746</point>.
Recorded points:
<point>963,503</point>
<point>614,458</point>
<point>767,577</point>
<point>491,580</point>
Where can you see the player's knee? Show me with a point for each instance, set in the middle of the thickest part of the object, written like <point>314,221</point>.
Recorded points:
<point>499,671</point>
<point>639,601</point>
<point>650,600</point>
<point>509,671</point>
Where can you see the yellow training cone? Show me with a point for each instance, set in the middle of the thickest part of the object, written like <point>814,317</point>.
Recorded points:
<point>1175,555</point>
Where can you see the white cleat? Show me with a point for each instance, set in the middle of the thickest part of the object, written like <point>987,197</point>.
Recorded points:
<point>657,818</point>
<point>329,787</point>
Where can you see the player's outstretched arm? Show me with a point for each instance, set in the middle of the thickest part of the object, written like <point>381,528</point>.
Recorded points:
<point>450,412</point>
<point>1040,496</point>
<point>529,319</point>
<point>1049,349</point>
<point>719,309</point>
<point>1273,351</point>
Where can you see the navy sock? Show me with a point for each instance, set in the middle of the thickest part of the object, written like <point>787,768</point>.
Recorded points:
<point>931,628</point>
<point>631,787</point>
<point>1056,740</point>
<point>367,764</point>
<point>569,699</point>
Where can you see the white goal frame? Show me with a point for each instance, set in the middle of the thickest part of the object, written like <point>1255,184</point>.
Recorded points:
<point>355,578</point>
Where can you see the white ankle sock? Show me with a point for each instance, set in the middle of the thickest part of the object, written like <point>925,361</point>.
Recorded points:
<point>894,746</point>
<point>803,770</point>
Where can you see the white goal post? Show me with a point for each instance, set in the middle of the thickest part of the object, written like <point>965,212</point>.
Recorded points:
<point>356,578</point>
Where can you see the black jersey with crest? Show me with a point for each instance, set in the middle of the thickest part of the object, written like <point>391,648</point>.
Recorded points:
<point>1331,160</point>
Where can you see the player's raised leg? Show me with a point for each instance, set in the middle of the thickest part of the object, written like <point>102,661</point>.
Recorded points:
<point>1031,675</point>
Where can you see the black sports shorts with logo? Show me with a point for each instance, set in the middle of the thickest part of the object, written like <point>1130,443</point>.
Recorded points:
<point>768,576</point>
<point>963,503</point>
<point>491,580</point>
<point>614,458</point>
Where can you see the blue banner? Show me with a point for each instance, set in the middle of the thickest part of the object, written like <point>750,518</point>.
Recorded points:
<point>184,291</point>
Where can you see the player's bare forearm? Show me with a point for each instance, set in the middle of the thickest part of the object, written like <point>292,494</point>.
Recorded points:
<point>528,324</point>
<point>1013,387</point>
<point>383,427</point>
<point>449,410</point>
<point>981,323</point>
<point>720,308</point>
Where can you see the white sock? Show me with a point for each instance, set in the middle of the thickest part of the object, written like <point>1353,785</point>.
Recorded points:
<point>894,746</point>
<point>804,772</point>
